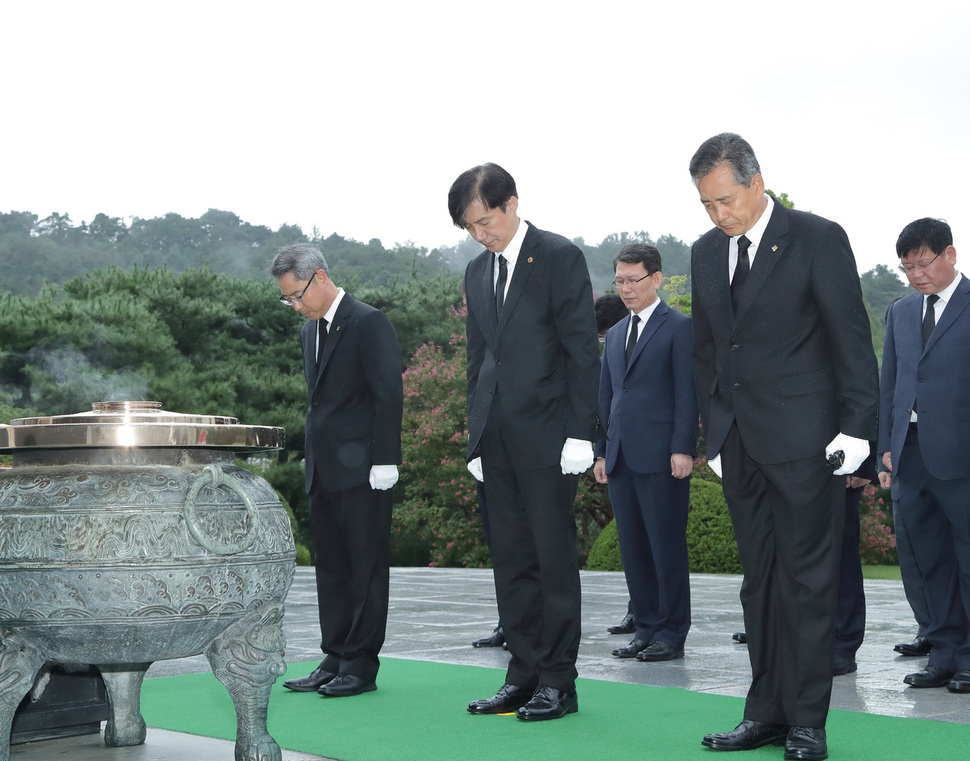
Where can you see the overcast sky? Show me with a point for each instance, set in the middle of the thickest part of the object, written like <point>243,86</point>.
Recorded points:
<point>355,117</point>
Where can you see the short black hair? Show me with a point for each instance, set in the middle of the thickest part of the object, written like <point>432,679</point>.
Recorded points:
<point>934,234</point>
<point>609,309</point>
<point>637,253</point>
<point>488,183</point>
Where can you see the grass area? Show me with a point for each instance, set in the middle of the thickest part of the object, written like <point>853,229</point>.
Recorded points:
<point>881,572</point>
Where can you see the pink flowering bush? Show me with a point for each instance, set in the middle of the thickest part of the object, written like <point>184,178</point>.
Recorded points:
<point>436,521</point>
<point>877,542</point>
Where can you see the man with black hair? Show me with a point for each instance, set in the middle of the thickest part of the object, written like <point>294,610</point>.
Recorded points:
<point>649,410</point>
<point>924,439</point>
<point>533,365</point>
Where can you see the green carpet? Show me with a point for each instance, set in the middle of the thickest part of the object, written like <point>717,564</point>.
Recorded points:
<point>418,714</point>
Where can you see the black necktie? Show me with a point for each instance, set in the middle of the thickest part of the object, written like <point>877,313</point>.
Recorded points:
<point>929,319</point>
<point>322,334</point>
<point>740,272</point>
<point>631,342</point>
<point>503,276</point>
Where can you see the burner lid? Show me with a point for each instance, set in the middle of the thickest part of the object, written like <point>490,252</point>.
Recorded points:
<point>137,424</point>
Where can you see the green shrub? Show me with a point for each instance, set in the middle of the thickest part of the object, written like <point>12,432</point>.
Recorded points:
<point>436,521</point>
<point>605,552</point>
<point>711,547</point>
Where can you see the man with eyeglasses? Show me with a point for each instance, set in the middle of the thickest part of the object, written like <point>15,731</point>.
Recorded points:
<point>924,440</point>
<point>649,410</point>
<point>355,400</point>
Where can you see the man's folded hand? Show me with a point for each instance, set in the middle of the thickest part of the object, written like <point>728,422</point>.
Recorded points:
<point>475,468</point>
<point>855,452</point>
<point>382,477</point>
<point>577,456</point>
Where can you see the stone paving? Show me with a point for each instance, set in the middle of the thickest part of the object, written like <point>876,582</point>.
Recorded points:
<point>435,613</point>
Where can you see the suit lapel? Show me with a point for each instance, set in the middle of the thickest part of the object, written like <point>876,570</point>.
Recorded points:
<point>337,329</point>
<point>958,302</point>
<point>307,343</point>
<point>616,347</point>
<point>907,319</point>
<point>658,318</point>
<point>488,286</point>
<point>719,296</point>
<point>770,250</point>
<point>524,267</point>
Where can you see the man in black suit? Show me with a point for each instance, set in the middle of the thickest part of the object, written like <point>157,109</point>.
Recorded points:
<point>533,364</point>
<point>355,399</point>
<point>649,409</point>
<point>786,378</point>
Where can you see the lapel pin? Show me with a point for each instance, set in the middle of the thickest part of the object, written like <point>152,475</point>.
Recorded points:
<point>530,260</point>
<point>774,248</point>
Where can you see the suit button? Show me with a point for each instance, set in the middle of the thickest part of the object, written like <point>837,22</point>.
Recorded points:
<point>735,347</point>
<point>498,361</point>
<point>736,386</point>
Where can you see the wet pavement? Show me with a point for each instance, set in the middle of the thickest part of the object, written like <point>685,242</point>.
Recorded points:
<point>435,613</point>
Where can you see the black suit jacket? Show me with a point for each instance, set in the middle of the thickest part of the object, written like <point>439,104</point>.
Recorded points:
<point>796,366</point>
<point>541,357</point>
<point>355,398</point>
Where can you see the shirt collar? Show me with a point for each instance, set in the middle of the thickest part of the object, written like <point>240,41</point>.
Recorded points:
<point>511,252</point>
<point>332,312</point>
<point>644,314</point>
<point>947,293</point>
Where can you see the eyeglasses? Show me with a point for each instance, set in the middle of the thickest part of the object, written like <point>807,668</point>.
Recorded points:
<point>620,282</point>
<point>287,301</point>
<point>909,269</point>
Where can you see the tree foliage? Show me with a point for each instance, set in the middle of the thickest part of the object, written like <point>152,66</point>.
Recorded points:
<point>54,249</point>
<point>183,311</point>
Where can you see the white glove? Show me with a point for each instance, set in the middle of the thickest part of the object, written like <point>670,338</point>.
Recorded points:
<point>577,456</point>
<point>715,465</point>
<point>382,477</point>
<point>475,468</point>
<point>855,451</point>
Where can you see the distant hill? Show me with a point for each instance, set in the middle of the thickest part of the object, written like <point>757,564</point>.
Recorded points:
<point>34,251</point>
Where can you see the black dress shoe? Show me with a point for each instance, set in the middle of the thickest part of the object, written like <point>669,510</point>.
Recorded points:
<point>631,650</point>
<point>346,686</point>
<point>843,665</point>
<point>495,639</point>
<point>960,681</point>
<point>548,703</point>
<point>740,637</point>
<point>919,646</point>
<point>659,651</point>
<point>626,626</point>
<point>931,676</point>
<point>311,683</point>
<point>748,735</point>
<point>806,744</point>
<point>507,700</point>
